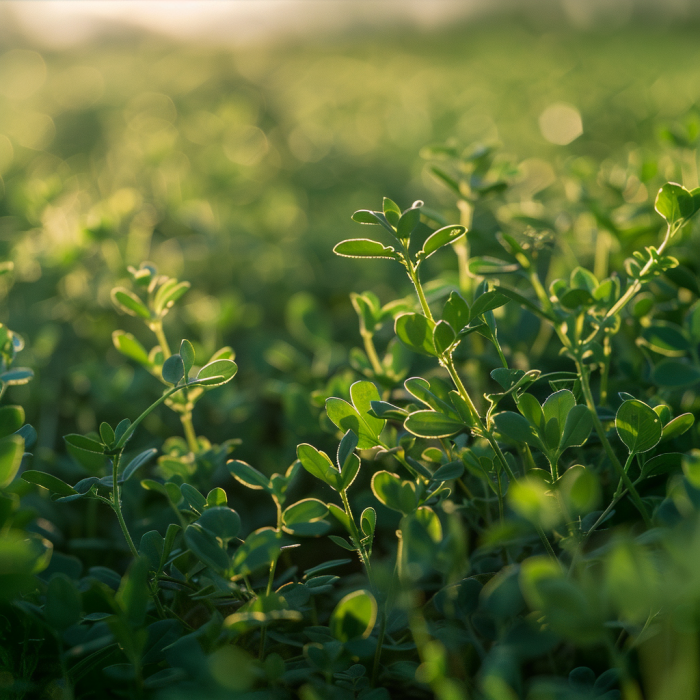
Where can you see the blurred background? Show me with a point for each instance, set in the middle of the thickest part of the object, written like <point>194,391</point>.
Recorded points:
<point>230,142</point>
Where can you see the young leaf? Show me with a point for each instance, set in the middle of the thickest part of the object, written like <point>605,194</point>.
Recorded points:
<point>364,248</point>
<point>138,462</point>
<point>318,464</point>
<point>487,302</point>
<point>106,434</point>
<point>416,332</point>
<point>394,492</point>
<point>638,426</point>
<point>248,476</point>
<point>431,424</point>
<point>187,355</point>
<point>48,481</point>
<point>173,369</point>
<point>392,211</point>
<point>11,451</point>
<point>675,203</point>
<point>517,428</point>
<point>127,345</point>
<point>577,428</point>
<point>442,237</point>
<point>129,303</point>
<point>354,616</point>
<point>678,426</point>
<point>408,222</point>
<point>220,521</point>
<point>216,373</point>
<point>456,312</point>
<point>443,337</point>
<point>346,448</point>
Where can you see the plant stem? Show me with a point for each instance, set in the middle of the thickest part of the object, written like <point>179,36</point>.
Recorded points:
<point>605,372</point>
<point>157,328</point>
<point>190,435</point>
<point>368,341</point>
<point>413,274</point>
<point>355,534</point>
<point>588,395</point>
<point>546,542</point>
<point>117,506</point>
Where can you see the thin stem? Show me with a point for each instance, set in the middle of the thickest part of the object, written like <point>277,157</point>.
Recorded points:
<point>413,274</point>
<point>546,542</point>
<point>371,351</point>
<point>588,395</point>
<point>188,428</point>
<point>157,328</point>
<point>117,506</point>
<point>637,284</point>
<point>605,372</point>
<point>380,643</point>
<point>270,582</point>
<point>355,534</point>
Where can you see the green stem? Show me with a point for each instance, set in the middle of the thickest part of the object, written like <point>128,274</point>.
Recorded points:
<point>190,435</point>
<point>371,351</point>
<point>413,274</point>
<point>605,372</point>
<point>588,395</point>
<point>355,534</point>
<point>546,542</point>
<point>380,643</point>
<point>117,506</point>
<point>637,284</point>
<point>270,582</point>
<point>157,328</point>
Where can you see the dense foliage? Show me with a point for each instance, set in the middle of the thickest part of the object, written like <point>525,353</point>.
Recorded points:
<point>494,497</point>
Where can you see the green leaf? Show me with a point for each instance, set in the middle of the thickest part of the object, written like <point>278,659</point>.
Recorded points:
<point>346,447</point>
<point>530,407</point>
<point>151,549</point>
<point>416,332</point>
<point>168,294</point>
<point>17,376</point>
<point>487,302</point>
<point>456,312</point>
<point>676,374</point>
<point>220,521</point>
<point>442,237</point>
<point>666,339</point>
<point>260,549</point>
<point>356,416</point>
<point>362,394</point>
<point>11,419</point>
<point>204,545</point>
<point>486,265</point>
<point>48,481</point>
<point>173,369</point>
<point>127,345</point>
<point>675,203</point>
<point>354,616</point>
<point>392,211</point>
<point>138,462</point>
<point>129,303</point>
<point>11,452</point>
<point>556,408</point>
<point>394,492</point>
<point>517,428</point>
<point>368,521</point>
<point>132,596</point>
<point>247,475</point>
<point>443,337</point>
<point>408,222</point>
<point>638,426</point>
<point>106,434</point>
<point>305,518</point>
<point>577,428</point>
<point>187,355</point>
<point>319,464</point>
<point>216,373</point>
<point>579,489</point>
<point>678,426</point>
<point>431,424</point>
<point>364,248</point>
<point>450,471</point>
<point>63,604</point>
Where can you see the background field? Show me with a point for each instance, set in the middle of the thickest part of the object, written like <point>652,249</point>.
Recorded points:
<point>238,171</point>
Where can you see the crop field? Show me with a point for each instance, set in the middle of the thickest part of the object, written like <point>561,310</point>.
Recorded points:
<point>361,367</point>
